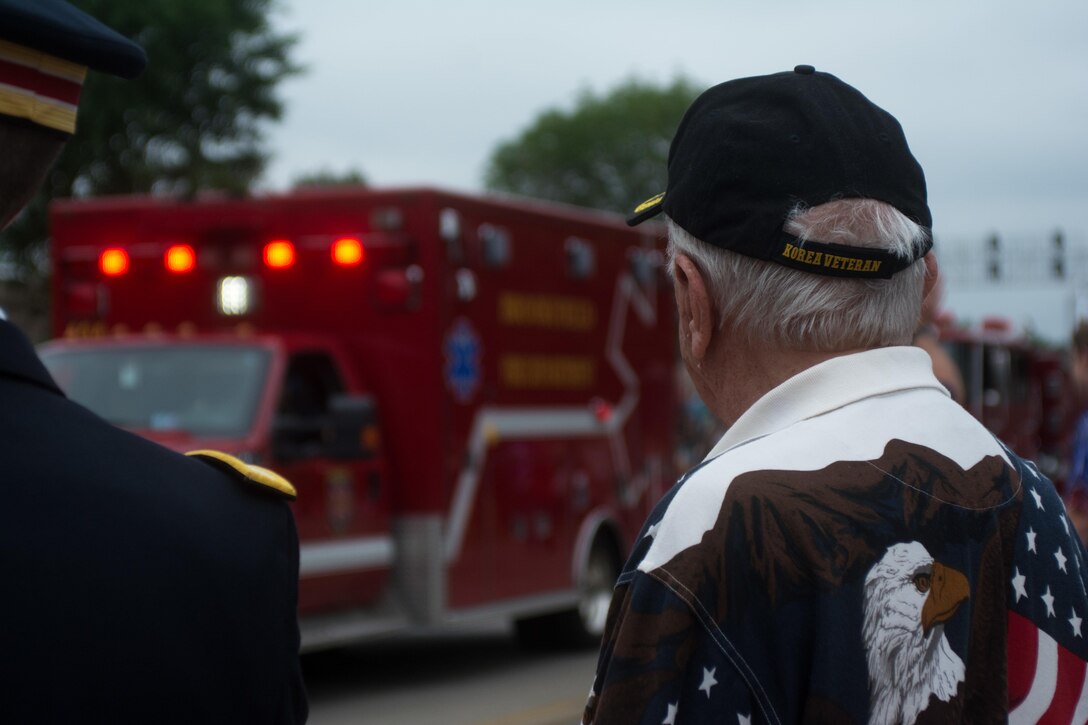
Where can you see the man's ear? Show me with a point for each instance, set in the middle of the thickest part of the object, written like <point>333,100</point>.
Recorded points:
<point>695,307</point>
<point>932,274</point>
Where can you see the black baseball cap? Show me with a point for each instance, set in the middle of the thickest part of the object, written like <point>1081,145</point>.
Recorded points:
<point>750,150</point>
<point>46,48</point>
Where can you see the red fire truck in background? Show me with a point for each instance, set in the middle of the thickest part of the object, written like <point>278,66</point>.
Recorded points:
<point>474,397</point>
<point>1015,387</point>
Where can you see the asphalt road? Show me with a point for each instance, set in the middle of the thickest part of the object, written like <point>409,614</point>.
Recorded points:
<point>477,677</point>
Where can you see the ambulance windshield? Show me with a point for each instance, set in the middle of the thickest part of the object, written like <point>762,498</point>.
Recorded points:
<point>199,390</point>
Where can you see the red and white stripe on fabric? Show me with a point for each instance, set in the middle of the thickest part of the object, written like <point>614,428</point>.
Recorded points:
<point>1047,682</point>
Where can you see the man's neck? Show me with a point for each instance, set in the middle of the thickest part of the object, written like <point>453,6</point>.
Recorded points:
<point>739,375</point>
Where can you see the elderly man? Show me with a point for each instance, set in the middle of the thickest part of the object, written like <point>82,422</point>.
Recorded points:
<point>140,586</point>
<point>856,547</point>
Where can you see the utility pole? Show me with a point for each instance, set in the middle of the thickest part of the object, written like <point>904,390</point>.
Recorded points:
<point>994,257</point>
<point>1058,251</point>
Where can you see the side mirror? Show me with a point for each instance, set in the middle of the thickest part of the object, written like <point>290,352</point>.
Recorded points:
<point>353,427</point>
<point>297,437</point>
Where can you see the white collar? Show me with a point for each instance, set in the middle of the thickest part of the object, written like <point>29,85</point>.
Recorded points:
<point>829,385</point>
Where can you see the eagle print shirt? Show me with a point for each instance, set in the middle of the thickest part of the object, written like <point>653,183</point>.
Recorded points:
<point>856,549</point>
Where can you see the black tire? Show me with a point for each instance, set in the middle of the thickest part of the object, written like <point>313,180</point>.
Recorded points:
<point>583,626</point>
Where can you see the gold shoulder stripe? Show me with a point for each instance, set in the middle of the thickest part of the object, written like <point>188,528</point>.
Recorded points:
<point>256,474</point>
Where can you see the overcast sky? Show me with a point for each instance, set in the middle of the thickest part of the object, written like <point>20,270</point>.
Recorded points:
<point>993,95</point>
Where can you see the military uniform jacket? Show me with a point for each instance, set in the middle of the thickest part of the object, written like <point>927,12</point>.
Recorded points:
<point>140,586</point>
<point>857,548</point>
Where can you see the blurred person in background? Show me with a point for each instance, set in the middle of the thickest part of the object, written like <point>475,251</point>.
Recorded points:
<point>141,586</point>
<point>1076,482</point>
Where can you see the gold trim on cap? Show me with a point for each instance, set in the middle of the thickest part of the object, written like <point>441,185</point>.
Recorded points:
<point>42,111</point>
<point>44,62</point>
<point>656,198</point>
<point>39,108</point>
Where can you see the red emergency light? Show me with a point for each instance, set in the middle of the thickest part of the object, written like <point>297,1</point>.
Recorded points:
<point>113,262</point>
<point>279,254</point>
<point>347,252</point>
<point>180,258</point>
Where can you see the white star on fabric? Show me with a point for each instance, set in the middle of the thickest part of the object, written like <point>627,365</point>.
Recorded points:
<point>1075,621</point>
<point>1031,539</point>
<point>708,680</point>
<point>744,719</point>
<point>1018,584</point>
<point>670,718</point>
<point>652,531</point>
<point>1061,559</point>
<point>1048,599</point>
<point>1038,499</point>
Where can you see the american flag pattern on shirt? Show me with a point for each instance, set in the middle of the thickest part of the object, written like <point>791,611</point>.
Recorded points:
<point>1048,606</point>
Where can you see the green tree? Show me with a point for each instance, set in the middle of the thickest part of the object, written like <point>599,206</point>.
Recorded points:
<point>326,177</point>
<point>609,152</point>
<point>192,121</point>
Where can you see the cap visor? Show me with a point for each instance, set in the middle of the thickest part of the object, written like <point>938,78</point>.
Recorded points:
<point>646,210</point>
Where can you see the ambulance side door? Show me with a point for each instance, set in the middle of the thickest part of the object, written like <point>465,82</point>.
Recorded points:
<point>342,509</point>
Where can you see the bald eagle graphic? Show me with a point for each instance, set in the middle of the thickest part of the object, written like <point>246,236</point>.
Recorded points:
<point>908,597</point>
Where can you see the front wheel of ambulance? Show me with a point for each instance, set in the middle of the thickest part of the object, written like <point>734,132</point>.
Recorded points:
<point>582,626</point>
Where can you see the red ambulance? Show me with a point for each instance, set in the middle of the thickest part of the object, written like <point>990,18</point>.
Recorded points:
<point>473,396</point>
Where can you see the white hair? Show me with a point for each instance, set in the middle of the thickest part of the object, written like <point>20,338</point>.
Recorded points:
<point>797,310</point>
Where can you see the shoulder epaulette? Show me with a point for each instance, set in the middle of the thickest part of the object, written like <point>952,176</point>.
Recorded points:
<point>254,474</point>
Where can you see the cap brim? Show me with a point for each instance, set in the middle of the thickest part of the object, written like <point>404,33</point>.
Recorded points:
<point>646,210</point>
<point>60,29</point>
